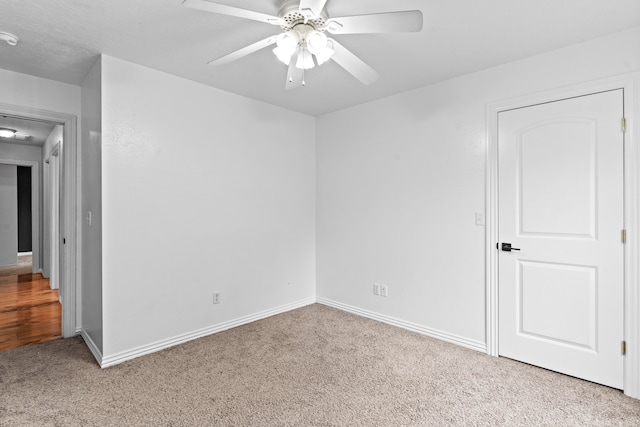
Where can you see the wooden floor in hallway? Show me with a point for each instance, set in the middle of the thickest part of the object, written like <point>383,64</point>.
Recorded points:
<point>30,312</point>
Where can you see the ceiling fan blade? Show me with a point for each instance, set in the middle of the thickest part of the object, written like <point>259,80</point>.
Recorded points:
<point>224,9</point>
<point>409,21</point>
<point>295,76</point>
<point>244,51</point>
<point>312,8</point>
<point>354,65</point>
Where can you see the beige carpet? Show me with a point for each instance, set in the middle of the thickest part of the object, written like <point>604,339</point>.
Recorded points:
<point>23,267</point>
<point>315,366</point>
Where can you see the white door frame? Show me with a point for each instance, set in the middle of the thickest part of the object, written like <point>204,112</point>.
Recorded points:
<point>70,324</point>
<point>52,214</point>
<point>631,85</point>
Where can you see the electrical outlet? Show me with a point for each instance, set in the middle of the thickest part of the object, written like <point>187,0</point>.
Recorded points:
<point>376,289</point>
<point>216,297</point>
<point>384,291</point>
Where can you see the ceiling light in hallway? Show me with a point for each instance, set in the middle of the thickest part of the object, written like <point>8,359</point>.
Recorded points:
<point>7,133</point>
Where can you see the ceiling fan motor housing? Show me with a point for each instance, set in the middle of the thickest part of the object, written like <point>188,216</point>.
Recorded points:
<point>293,16</point>
<point>304,31</point>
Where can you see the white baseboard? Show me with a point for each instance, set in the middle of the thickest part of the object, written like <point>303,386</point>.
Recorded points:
<point>92,346</point>
<point>123,356</point>
<point>423,330</point>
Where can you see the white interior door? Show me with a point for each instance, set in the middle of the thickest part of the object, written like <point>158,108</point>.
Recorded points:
<point>8,215</point>
<point>561,205</point>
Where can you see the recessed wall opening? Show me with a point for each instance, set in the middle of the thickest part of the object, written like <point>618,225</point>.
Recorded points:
<point>42,153</point>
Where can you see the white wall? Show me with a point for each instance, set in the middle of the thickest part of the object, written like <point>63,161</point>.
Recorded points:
<point>91,240</point>
<point>22,152</point>
<point>400,181</point>
<point>202,191</point>
<point>34,92</point>
<point>8,215</point>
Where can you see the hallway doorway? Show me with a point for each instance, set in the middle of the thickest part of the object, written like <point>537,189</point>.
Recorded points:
<point>57,222</point>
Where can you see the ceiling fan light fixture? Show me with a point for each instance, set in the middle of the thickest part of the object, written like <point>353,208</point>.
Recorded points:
<point>7,133</point>
<point>305,60</point>
<point>284,55</point>
<point>324,55</point>
<point>286,46</point>
<point>316,41</point>
<point>288,40</point>
<point>319,45</point>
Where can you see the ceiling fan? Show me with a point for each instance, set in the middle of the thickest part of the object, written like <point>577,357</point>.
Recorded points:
<point>303,42</point>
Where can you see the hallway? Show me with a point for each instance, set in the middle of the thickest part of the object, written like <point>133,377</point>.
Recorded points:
<point>29,311</point>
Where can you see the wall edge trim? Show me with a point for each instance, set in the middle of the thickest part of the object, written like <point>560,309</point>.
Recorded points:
<point>413,327</point>
<point>92,346</point>
<point>143,350</point>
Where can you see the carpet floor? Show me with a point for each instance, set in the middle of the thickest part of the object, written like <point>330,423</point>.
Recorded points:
<point>315,366</point>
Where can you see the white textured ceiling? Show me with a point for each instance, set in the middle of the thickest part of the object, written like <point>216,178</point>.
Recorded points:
<point>35,131</point>
<point>60,40</point>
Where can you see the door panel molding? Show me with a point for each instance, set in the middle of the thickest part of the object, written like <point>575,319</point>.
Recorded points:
<point>553,332</point>
<point>630,84</point>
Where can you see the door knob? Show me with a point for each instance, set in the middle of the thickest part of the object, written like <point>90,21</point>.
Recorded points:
<point>508,248</point>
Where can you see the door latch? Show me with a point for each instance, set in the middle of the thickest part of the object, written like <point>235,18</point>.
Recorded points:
<point>506,247</point>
